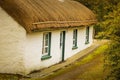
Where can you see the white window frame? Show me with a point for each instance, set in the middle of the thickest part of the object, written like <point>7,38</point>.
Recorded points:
<point>75,31</point>
<point>46,38</point>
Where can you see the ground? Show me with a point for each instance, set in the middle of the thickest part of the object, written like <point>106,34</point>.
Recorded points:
<point>90,67</point>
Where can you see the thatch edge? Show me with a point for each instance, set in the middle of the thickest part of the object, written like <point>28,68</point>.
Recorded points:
<point>56,25</point>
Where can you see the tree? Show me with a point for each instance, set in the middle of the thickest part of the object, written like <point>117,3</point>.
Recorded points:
<point>112,30</point>
<point>108,14</point>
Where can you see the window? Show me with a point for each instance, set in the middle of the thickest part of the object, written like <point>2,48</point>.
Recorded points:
<point>75,39</point>
<point>87,35</point>
<point>46,46</point>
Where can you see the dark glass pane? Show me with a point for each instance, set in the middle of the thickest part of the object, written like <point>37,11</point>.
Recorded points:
<point>74,34</point>
<point>46,36</point>
<point>46,50</point>
<point>73,42</point>
<point>46,42</point>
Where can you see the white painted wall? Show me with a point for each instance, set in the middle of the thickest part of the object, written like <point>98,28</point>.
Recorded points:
<point>34,51</point>
<point>12,37</point>
<point>80,41</point>
<point>34,48</point>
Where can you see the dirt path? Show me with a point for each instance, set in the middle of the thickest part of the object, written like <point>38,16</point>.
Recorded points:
<point>75,72</point>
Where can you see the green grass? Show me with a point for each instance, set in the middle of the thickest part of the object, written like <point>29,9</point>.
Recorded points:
<point>95,72</point>
<point>91,56</point>
<point>92,73</point>
<point>9,77</point>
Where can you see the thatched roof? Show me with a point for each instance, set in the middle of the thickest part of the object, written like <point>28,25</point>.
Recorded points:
<point>47,14</point>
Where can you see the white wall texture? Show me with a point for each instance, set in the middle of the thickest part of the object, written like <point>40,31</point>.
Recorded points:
<point>21,53</point>
<point>34,48</point>
<point>12,37</point>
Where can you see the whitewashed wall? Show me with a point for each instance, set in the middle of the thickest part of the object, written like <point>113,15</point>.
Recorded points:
<point>34,51</point>
<point>34,48</point>
<point>12,37</point>
<point>80,41</point>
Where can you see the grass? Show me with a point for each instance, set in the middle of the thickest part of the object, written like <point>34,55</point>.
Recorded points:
<point>91,56</point>
<point>94,72</point>
<point>9,77</point>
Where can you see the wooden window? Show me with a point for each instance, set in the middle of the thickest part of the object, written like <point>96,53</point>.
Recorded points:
<point>75,38</point>
<point>46,46</point>
<point>87,35</point>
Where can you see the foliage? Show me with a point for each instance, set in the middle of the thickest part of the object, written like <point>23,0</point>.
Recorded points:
<point>112,62</point>
<point>108,14</point>
<point>112,30</point>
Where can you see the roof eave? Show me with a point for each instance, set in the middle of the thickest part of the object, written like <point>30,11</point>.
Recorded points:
<point>54,25</point>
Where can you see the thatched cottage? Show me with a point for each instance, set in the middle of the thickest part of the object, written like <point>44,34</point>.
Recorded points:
<point>35,34</point>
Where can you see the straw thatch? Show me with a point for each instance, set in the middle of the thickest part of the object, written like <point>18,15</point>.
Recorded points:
<point>42,14</point>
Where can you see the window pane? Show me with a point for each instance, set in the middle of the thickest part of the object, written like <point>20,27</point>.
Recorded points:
<point>46,39</point>
<point>46,42</point>
<point>73,42</point>
<point>74,33</point>
<point>46,36</point>
<point>87,34</point>
<point>75,37</point>
<point>46,50</point>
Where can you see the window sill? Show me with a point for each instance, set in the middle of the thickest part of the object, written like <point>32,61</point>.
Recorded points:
<point>86,42</point>
<point>45,57</point>
<point>74,47</point>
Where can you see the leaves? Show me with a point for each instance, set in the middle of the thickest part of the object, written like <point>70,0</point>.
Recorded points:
<point>108,14</point>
